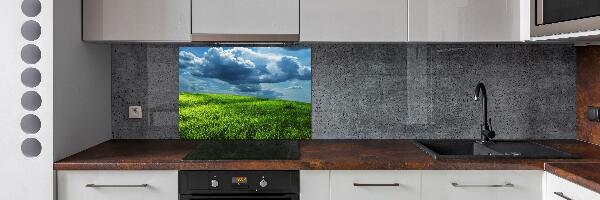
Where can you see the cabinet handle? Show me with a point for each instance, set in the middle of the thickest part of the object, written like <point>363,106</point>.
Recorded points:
<point>376,184</point>
<point>115,186</point>
<point>562,195</point>
<point>470,186</point>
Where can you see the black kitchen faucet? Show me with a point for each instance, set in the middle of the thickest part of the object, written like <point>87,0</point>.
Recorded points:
<point>487,134</point>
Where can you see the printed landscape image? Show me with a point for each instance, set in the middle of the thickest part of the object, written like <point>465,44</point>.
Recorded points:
<point>230,93</point>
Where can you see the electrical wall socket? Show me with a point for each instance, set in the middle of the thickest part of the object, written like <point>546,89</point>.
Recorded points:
<point>135,112</point>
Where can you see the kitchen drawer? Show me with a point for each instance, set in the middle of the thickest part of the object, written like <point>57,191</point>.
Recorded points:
<point>482,185</point>
<point>162,185</point>
<point>387,185</point>
<point>556,186</point>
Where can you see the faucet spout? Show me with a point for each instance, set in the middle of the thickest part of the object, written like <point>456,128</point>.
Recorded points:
<point>480,94</point>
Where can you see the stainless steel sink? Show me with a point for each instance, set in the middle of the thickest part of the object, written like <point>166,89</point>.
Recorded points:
<point>469,149</point>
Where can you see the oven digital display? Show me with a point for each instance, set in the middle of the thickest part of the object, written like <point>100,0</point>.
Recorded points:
<point>239,180</point>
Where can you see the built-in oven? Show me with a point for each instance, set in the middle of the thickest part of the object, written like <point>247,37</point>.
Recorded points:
<point>552,17</point>
<point>238,185</point>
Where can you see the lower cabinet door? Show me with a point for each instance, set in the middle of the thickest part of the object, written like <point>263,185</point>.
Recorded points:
<point>482,185</point>
<point>314,184</point>
<point>375,185</point>
<point>117,185</point>
<point>560,189</point>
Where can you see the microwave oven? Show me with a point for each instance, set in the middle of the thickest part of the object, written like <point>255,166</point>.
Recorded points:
<point>553,17</point>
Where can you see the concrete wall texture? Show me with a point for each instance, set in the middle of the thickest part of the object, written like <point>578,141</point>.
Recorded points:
<point>383,91</point>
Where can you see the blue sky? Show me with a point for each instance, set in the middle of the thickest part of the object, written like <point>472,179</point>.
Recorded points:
<point>265,72</point>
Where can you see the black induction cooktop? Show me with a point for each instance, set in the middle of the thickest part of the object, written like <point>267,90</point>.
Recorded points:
<point>246,150</point>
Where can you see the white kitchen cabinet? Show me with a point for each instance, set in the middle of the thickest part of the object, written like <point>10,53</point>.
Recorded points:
<point>314,185</point>
<point>136,20</point>
<point>468,21</point>
<point>245,20</point>
<point>482,185</point>
<point>560,189</point>
<point>375,185</point>
<point>117,185</point>
<point>353,20</point>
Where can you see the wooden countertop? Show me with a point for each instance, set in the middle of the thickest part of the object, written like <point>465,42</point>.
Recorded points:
<point>331,155</point>
<point>314,155</point>
<point>584,174</point>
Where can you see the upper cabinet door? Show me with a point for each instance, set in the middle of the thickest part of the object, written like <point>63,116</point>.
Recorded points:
<point>136,20</point>
<point>245,20</point>
<point>353,20</point>
<point>468,21</point>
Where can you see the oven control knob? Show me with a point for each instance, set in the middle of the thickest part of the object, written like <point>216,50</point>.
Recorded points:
<point>263,183</point>
<point>214,183</point>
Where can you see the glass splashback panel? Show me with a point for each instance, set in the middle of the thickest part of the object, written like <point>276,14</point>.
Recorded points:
<point>255,93</point>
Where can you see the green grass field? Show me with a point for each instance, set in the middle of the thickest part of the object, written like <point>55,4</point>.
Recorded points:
<point>232,117</point>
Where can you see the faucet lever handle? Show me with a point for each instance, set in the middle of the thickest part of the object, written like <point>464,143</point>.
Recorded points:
<point>492,133</point>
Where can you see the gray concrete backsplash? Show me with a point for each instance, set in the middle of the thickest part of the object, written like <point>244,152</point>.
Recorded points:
<point>383,91</point>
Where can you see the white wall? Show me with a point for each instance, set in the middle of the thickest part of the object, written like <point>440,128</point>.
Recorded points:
<point>77,74</point>
<point>82,98</point>
<point>23,177</point>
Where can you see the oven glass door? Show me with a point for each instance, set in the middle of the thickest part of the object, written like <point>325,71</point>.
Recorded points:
<point>241,197</point>
<point>554,11</point>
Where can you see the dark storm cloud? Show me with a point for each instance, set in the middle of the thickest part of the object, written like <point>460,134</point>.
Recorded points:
<point>293,48</point>
<point>243,68</point>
